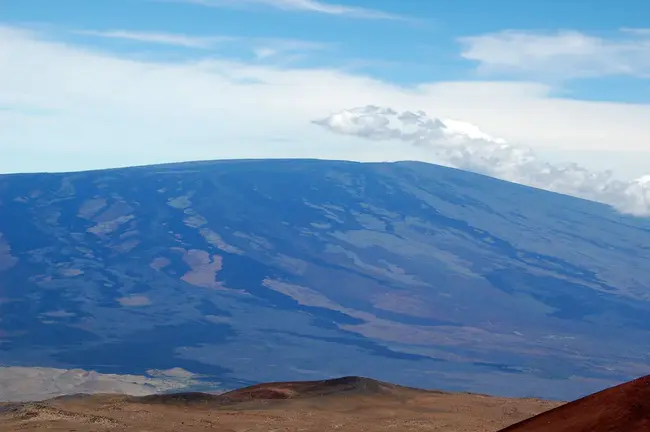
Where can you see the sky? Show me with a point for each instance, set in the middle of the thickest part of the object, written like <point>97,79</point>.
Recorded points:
<point>89,84</point>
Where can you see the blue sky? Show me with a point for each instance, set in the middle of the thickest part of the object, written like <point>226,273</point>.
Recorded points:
<point>88,84</point>
<point>422,46</point>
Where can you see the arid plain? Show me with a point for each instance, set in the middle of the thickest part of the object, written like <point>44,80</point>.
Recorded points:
<point>346,404</point>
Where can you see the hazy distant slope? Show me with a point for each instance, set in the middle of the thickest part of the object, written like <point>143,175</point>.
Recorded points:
<point>248,271</point>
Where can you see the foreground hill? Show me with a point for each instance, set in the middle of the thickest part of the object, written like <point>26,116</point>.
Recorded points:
<point>239,272</point>
<point>345,404</point>
<point>625,407</point>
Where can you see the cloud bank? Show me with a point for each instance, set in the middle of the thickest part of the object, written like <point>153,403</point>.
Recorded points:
<point>466,147</point>
<point>80,108</point>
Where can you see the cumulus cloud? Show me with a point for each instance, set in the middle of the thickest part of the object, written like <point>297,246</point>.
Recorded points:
<point>564,53</point>
<point>466,147</point>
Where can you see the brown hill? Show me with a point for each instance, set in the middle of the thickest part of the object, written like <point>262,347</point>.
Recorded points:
<point>623,408</point>
<point>294,389</point>
<point>343,404</point>
<point>273,391</point>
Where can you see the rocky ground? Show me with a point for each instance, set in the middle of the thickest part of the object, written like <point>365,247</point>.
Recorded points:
<point>350,404</point>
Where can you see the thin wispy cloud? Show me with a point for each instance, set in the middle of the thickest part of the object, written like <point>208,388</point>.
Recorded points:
<point>636,31</point>
<point>260,48</point>
<point>180,40</point>
<point>569,54</point>
<point>271,47</point>
<point>314,6</point>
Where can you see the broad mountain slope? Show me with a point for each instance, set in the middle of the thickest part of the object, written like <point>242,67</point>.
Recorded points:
<point>280,270</point>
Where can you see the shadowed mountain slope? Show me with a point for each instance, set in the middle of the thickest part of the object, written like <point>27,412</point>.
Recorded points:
<point>625,407</point>
<point>252,271</point>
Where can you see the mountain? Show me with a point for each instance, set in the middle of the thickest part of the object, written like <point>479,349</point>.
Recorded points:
<point>241,272</point>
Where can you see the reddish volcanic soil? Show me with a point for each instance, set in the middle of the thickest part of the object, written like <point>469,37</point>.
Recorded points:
<point>343,404</point>
<point>352,386</point>
<point>350,404</point>
<point>306,389</point>
<point>623,408</point>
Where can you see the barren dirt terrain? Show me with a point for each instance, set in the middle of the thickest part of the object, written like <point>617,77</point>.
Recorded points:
<point>346,404</point>
<point>624,408</point>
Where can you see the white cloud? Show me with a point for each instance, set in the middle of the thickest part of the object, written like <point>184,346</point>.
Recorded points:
<point>82,109</point>
<point>300,6</point>
<point>180,40</point>
<point>466,147</point>
<point>562,53</point>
